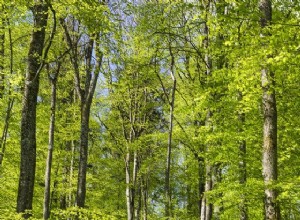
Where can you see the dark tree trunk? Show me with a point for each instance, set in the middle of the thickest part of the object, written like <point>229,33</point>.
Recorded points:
<point>242,164</point>
<point>84,131</point>
<point>28,121</point>
<point>11,100</point>
<point>243,179</point>
<point>269,161</point>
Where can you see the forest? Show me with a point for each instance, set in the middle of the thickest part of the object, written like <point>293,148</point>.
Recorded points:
<point>150,109</point>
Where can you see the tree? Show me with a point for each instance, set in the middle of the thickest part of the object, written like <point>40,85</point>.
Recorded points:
<point>47,193</point>
<point>269,160</point>
<point>85,96</point>
<point>28,122</point>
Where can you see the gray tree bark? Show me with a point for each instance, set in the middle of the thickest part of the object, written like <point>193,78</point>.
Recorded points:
<point>47,193</point>
<point>206,208</point>
<point>28,121</point>
<point>269,160</point>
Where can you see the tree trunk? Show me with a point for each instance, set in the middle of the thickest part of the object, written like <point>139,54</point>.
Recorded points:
<point>5,129</point>
<point>86,97</point>
<point>128,187</point>
<point>2,38</point>
<point>206,208</point>
<point>135,187</point>
<point>28,121</point>
<point>242,174</point>
<point>4,133</point>
<point>71,172</point>
<point>269,161</point>
<point>243,179</point>
<point>168,202</point>
<point>144,193</point>
<point>10,101</point>
<point>47,193</point>
<point>201,184</point>
<point>84,132</point>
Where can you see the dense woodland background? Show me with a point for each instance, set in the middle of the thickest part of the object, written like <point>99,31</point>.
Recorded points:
<point>150,109</point>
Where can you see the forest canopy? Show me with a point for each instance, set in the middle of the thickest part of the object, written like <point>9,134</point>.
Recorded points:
<point>149,109</point>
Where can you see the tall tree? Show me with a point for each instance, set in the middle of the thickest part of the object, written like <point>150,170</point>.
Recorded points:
<point>86,97</point>
<point>206,207</point>
<point>269,161</point>
<point>47,192</point>
<point>171,102</point>
<point>28,121</point>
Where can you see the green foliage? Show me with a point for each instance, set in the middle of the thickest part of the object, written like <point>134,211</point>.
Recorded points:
<point>130,112</point>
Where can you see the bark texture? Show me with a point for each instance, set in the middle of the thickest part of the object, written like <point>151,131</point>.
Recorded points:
<point>47,193</point>
<point>28,121</point>
<point>206,208</point>
<point>269,161</point>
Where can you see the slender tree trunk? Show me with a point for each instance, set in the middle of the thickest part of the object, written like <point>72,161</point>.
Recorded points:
<point>217,178</point>
<point>242,168</point>
<point>128,187</point>
<point>28,121</point>
<point>4,133</point>
<point>201,184</point>
<point>5,129</point>
<point>135,185</point>
<point>145,196</point>
<point>168,202</point>
<point>206,208</point>
<point>139,200</point>
<point>2,39</point>
<point>47,192</point>
<point>269,161</point>
<point>70,196</point>
<point>10,101</point>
